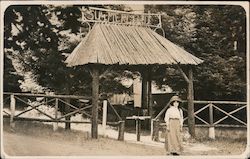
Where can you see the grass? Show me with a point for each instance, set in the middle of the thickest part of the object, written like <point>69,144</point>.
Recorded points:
<point>39,129</point>
<point>225,145</point>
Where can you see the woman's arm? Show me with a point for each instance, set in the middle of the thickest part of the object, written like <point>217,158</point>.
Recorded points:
<point>166,119</point>
<point>181,119</point>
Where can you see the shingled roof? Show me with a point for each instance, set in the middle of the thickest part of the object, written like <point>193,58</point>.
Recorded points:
<point>133,45</point>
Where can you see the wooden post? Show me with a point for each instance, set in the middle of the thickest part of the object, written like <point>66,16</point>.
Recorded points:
<point>211,133</point>
<point>150,101</point>
<point>190,98</point>
<point>104,117</point>
<point>144,89</point>
<point>138,129</point>
<point>55,125</point>
<point>144,96</point>
<point>12,110</point>
<point>121,130</point>
<point>67,118</point>
<point>155,129</point>
<point>95,98</point>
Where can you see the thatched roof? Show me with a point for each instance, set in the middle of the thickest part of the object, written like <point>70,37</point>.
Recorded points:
<point>117,44</point>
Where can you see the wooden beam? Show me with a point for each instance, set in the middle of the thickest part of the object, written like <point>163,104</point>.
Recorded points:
<point>95,99</point>
<point>67,111</point>
<point>144,98</point>
<point>183,74</point>
<point>150,100</point>
<point>55,125</point>
<point>12,111</point>
<point>45,95</point>
<point>121,130</point>
<point>190,98</point>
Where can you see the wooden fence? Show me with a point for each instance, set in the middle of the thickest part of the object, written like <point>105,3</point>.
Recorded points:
<point>53,101</point>
<point>212,115</point>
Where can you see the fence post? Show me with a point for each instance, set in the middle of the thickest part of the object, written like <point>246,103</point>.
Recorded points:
<point>211,133</point>
<point>121,130</point>
<point>12,110</point>
<point>104,117</point>
<point>155,127</point>
<point>55,125</point>
<point>138,129</point>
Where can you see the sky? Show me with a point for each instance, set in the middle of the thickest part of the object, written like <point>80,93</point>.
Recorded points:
<point>136,7</point>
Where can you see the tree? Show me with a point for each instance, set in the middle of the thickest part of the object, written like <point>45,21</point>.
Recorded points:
<point>216,34</point>
<point>44,36</point>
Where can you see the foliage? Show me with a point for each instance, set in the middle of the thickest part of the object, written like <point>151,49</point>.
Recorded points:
<point>210,33</point>
<point>43,36</point>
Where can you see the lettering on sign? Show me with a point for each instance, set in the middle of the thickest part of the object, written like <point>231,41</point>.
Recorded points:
<point>93,14</point>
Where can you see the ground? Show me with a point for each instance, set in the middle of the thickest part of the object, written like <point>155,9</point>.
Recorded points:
<point>36,139</point>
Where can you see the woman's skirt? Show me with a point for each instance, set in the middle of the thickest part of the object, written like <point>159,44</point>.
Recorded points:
<point>173,139</point>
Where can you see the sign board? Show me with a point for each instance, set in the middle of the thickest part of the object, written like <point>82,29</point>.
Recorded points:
<point>92,14</point>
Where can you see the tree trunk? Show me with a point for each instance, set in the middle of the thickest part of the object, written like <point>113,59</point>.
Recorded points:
<point>190,98</point>
<point>67,118</point>
<point>95,98</point>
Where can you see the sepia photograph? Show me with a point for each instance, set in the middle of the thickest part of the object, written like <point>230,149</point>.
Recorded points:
<point>124,79</point>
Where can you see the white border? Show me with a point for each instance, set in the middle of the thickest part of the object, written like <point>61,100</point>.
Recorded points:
<point>244,4</point>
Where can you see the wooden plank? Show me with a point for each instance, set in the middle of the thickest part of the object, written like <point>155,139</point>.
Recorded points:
<point>45,95</point>
<point>119,117</point>
<point>150,99</point>
<point>230,115</point>
<point>211,118</point>
<point>12,110</point>
<point>113,50</point>
<point>72,106</point>
<point>156,127</point>
<point>218,102</point>
<point>147,44</point>
<point>211,130</point>
<point>45,120</point>
<point>55,125</point>
<point>104,116</point>
<point>162,111</point>
<point>122,12</point>
<point>72,113</point>
<point>232,112</point>
<point>121,130</point>
<point>126,50</point>
<point>6,99</point>
<point>219,125</point>
<point>32,107</point>
<point>6,113</point>
<point>200,110</point>
<point>138,129</point>
<point>183,73</point>
<point>201,120</point>
<point>144,99</point>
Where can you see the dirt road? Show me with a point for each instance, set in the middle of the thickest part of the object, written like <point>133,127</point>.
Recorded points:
<point>22,145</point>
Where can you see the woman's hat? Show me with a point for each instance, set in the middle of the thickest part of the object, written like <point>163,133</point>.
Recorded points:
<point>175,98</point>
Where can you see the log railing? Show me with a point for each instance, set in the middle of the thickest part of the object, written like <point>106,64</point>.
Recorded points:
<point>53,101</point>
<point>217,112</point>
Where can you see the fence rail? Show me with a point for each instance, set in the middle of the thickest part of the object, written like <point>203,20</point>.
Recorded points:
<point>53,101</point>
<point>210,122</point>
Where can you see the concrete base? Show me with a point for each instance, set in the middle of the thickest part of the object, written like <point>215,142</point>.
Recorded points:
<point>211,133</point>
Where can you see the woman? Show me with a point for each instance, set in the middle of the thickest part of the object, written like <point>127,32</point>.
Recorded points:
<point>174,123</point>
